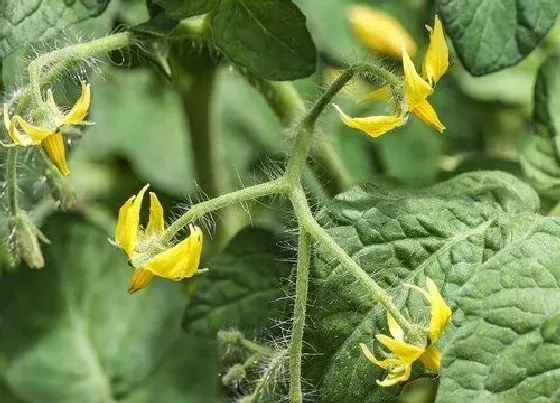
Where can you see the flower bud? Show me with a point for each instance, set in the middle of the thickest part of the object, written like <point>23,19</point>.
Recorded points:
<point>380,32</point>
<point>27,241</point>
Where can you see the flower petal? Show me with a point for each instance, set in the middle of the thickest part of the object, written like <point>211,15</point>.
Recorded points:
<point>80,109</point>
<point>385,364</point>
<point>436,61</point>
<point>431,358</point>
<point>126,232</point>
<point>375,126</point>
<point>441,312</point>
<point>425,112</point>
<point>394,328</point>
<point>380,32</point>
<point>398,374</point>
<point>156,224</point>
<point>416,89</point>
<point>407,353</point>
<point>181,260</point>
<point>140,279</point>
<point>54,146</point>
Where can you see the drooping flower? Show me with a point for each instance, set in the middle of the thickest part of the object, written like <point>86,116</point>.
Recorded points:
<point>416,88</point>
<point>380,32</point>
<point>375,126</point>
<point>144,248</point>
<point>49,137</point>
<point>402,355</point>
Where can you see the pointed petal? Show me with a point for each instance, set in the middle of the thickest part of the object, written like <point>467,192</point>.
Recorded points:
<point>441,312</point>
<point>385,364</point>
<point>425,112</point>
<point>181,260</point>
<point>394,328</point>
<point>397,375</point>
<point>140,279</point>
<point>381,94</point>
<point>156,224</point>
<point>436,60</point>
<point>13,132</point>
<point>80,109</point>
<point>126,232</point>
<point>416,89</point>
<point>380,32</point>
<point>407,353</point>
<point>54,146</point>
<point>431,358</point>
<point>375,126</point>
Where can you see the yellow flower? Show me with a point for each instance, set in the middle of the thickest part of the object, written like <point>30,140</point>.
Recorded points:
<point>436,60</point>
<point>380,32</point>
<point>402,355</point>
<point>143,248</point>
<point>416,89</point>
<point>50,138</point>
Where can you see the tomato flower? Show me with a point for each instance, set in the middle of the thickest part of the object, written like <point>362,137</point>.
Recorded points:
<point>144,249</point>
<point>49,137</point>
<point>402,354</point>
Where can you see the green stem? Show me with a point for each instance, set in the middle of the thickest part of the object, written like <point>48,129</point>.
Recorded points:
<point>308,223</point>
<point>11,180</point>
<point>268,377</point>
<point>296,345</point>
<point>198,210</point>
<point>57,61</point>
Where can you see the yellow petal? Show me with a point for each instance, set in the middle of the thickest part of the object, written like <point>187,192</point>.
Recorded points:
<point>425,112</point>
<point>416,89</point>
<point>394,328</point>
<point>441,312</point>
<point>381,94</point>
<point>140,279</point>
<point>126,232</point>
<point>385,364</point>
<point>181,260</point>
<point>436,60</point>
<point>155,221</point>
<point>431,358</point>
<point>375,126</point>
<point>80,109</point>
<point>407,353</point>
<point>380,32</point>
<point>54,146</point>
<point>396,375</point>
<point>13,132</point>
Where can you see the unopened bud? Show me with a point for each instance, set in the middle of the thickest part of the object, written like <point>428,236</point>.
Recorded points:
<point>27,237</point>
<point>234,376</point>
<point>380,32</point>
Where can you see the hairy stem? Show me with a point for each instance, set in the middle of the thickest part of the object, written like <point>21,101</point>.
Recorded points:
<point>296,345</point>
<point>198,210</point>
<point>11,180</point>
<point>268,377</point>
<point>308,223</point>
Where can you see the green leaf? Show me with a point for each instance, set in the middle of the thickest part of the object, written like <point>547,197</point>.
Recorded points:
<point>506,347</point>
<point>186,8</point>
<point>27,22</point>
<point>270,37</point>
<point>71,333</point>
<point>538,151</point>
<point>490,35</point>
<point>445,232</point>
<point>243,288</point>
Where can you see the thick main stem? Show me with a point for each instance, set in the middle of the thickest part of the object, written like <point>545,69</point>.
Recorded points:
<point>308,223</point>
<point>296,346</point>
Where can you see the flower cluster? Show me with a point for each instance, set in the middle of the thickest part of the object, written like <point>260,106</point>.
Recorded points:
<point>145,250</point>
<point>50,136</point>
<point>402,354</point>
<point>417,89</point>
